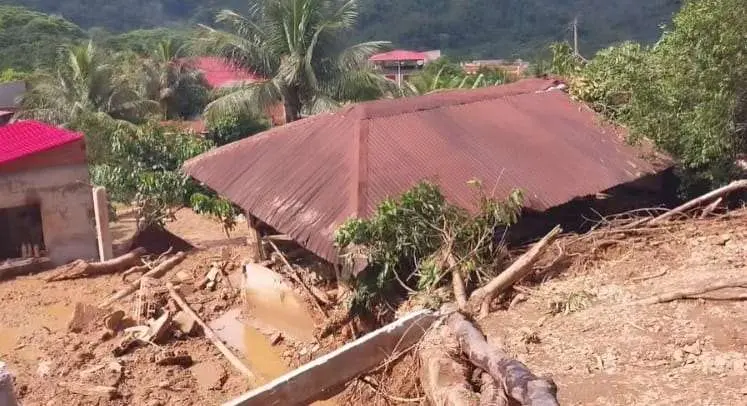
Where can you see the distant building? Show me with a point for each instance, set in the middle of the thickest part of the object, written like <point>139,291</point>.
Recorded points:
<point>400,64</point>
<point>46,205</point>
<point>515,68</point>
<point>10,95</point>
<point>220,73</point>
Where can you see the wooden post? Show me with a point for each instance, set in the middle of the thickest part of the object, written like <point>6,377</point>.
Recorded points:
<point>7,396</point>
<point>254,239</point>
<point>103,235</point>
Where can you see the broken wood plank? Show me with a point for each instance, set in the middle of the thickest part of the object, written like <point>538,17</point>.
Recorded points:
<point>155,273</point>
<point>292,272</point>
<point>318,379</point>
<point>26,266</point>
<point>211,335</point>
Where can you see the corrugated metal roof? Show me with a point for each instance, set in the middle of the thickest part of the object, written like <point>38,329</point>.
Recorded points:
<point>307,177</point>
<point>220,73</point>
<point>26,138</point>
<point>399,55</point>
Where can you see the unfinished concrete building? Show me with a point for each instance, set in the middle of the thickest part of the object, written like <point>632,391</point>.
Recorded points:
<point>46,206</point>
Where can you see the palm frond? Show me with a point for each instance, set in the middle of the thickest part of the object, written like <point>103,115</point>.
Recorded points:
<point>255,98</point>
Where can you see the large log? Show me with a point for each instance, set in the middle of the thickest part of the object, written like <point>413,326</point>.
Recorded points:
<point>155,273</point>
<point>84,269</point>
<point>481,298</point>
<point>517,380</point>
<point>443,378</point>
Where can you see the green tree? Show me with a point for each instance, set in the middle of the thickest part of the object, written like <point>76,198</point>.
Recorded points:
<point>227,128</point>
<point>180,90</point>
<point>445,75</point>
<point>296,44</point>
<point>687,93</point>
<point>29,40</point>
<point>84,83</point>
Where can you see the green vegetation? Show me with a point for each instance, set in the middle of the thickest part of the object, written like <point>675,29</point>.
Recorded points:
<point>480,28</point>
<point>12,75</point>
<point>296,44</point>
<point>445,74</point>
<point>686,93</point>
<point>29,40</point>
<point>228,128</point>
<point>414,242</point>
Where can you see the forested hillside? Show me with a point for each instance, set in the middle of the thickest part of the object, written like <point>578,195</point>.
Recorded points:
<point>480,28</point>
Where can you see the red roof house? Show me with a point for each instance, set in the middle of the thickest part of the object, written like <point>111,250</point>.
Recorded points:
<point>220,73</point>
<point>346,162</point>
<point>46,205</point>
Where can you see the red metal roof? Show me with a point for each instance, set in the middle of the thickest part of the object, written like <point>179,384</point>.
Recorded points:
<point>307,177</point>
<point>399,55</point>
<point>25,138</point>
<point>219,73</point>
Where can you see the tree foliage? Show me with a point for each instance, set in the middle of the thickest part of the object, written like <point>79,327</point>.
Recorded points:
<point>408,239</point>
<point>687,93</point>
<point>444,75</point>
<point>296,45</point>
<point>225,129</point>
<point>29,39</point>
<point>143,168</point>
<point>84,83</point>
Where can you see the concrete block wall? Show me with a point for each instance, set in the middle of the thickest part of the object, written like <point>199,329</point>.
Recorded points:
<point>66,202</point>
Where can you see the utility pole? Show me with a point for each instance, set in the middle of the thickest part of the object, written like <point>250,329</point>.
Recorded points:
<point>575,37</point>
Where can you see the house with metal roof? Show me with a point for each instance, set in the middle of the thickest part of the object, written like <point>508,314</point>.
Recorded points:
<point>306,178</point>
<point>46,204</point>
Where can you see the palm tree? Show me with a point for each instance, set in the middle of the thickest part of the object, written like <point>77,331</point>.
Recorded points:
<point>178,88</point>
<point>83,83</point>
<point>295,44</point>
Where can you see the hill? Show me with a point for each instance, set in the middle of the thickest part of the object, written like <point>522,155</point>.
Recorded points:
<point>479,28</point>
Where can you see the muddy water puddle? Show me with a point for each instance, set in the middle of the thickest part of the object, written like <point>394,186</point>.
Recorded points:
<point>264,359</point>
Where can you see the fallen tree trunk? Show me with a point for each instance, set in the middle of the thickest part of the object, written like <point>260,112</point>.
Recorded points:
<point>212,336</point>
<point>84,269</point>
<point>734,186</point>
<point>517,380</point>
<point>694,293</point>
<point>481,298</point>
<point>155,273</point>
<point>443,378</point>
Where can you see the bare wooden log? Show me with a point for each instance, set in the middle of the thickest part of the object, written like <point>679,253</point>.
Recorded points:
<point>732,187</point>
<point>693,293</point>
<point>154,273</point>
<point>481,298</point>
<point>711,208</point>
<point>444,380</point>
<point>292,273</point>
<point>517,380</point>
<point>211,335</point>
<point>84,269</point>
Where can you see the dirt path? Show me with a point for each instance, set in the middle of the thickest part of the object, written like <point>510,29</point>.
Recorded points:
<point>600,353</point>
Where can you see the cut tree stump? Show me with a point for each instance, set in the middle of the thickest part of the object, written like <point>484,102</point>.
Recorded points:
<point>84,269</point>
<point>154,273</point>
<point>517,380</point>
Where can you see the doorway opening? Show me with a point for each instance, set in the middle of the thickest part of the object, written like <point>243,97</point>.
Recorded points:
<point>21,233</point>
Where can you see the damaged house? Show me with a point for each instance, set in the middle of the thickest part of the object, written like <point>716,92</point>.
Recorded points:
<point>46,206</point>
<point>306,178</point>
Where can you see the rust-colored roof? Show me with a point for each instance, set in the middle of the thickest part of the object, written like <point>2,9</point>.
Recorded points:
<point>306,178</point>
